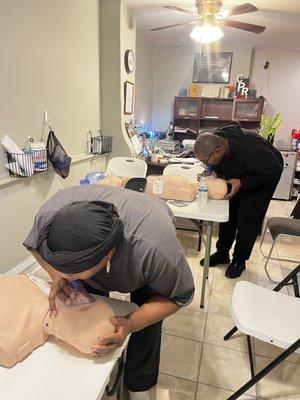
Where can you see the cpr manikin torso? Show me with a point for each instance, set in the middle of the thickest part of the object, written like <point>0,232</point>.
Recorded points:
<point>80,326</point>
<point>172,187</point>
<point>23,309</point>
<point>25,321</point>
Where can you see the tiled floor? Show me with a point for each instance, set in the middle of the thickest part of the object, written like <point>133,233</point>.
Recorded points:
<point>193,338</point>
<point>196,364</point>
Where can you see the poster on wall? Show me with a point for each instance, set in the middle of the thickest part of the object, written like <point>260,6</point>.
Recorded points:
<point>128,97</point>
<point>212,67</point>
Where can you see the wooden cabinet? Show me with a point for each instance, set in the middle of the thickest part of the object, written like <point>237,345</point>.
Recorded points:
<point>247,110</point>
<point>216,109</point>
<point>187,108</point>
<point>203,113</point>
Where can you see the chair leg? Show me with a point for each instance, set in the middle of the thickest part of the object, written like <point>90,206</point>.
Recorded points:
<point>265,370</point>
<point>267,261</point>
<point>287,279</point>
<point>230,333</point>
<point>250,356</point>
<point>296,286</point>
<point>262,240</point>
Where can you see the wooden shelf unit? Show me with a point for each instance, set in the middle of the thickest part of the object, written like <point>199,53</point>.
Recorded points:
<point>202,112</point>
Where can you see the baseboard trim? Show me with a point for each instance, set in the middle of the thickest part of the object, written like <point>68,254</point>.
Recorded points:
<point>23,266</point>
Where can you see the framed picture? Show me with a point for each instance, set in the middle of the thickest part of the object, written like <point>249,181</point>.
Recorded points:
<point>212,67</point>
<point>128,97</point>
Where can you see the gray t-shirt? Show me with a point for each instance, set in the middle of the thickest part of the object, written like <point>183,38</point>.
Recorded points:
<point>150,253</point>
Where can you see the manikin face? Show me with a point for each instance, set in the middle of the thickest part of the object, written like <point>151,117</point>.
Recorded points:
<point>90,272</point>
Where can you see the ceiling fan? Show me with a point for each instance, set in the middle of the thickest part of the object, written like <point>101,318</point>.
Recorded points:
<point>211,16</point>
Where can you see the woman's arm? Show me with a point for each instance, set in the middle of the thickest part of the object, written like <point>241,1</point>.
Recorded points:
<point>154,310</point>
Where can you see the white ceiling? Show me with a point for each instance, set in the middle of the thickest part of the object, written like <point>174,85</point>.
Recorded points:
<point>281,17</point>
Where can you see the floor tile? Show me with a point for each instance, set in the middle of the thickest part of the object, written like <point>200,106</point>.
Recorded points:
<point>206,392</point>
<point>186,323</point>
<point>195,304</point>
<point>180,357</point>
<point>217,326</point>
<point>197,271</point>
<point>222,284</point>
<point>220,303</point>
<point>289,251</point>
<point>224,368</point>
<point>256,272</point>
<point>282,383</point>
<point>172,388</point>
<point>267,349</point>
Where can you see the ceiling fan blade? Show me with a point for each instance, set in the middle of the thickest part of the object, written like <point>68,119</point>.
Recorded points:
<point>174,8</point>
<point>243,26</point>
<point>241,9</point>
<point>169,26</point>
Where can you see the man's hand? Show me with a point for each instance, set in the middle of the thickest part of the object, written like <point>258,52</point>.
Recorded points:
<point>236,185</point>
<point>60,287</point>
<point>110,343</point>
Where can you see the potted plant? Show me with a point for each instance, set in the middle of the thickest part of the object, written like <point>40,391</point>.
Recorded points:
<point>269,127</point>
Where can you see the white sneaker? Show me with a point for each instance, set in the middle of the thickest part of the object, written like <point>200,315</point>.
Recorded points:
<point>139,395</point>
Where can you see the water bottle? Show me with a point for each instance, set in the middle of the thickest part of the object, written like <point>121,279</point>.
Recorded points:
<point>81,297</point>
<point>203,193</point>
<point>92,178</point>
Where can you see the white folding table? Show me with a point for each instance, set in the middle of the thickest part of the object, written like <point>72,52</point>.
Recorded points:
<point>58,371</point>
<point>214,211</point>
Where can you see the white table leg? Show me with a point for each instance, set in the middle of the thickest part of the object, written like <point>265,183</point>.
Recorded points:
<point>207,243</point>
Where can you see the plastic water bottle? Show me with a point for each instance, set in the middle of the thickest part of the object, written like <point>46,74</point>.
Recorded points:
<point>203,193</point>
<point>92,178</point>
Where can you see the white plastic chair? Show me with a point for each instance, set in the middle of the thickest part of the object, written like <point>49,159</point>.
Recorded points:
<point>127,166</point>
<point>269,316</point>
<point>188,171</point>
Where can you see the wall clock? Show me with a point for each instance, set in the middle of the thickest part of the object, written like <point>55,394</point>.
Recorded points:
<point>129,59</point>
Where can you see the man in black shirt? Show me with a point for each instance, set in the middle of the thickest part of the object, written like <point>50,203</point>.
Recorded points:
<point>253,168</point>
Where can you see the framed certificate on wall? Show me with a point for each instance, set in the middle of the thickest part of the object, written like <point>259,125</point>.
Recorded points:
<point>128,97</point>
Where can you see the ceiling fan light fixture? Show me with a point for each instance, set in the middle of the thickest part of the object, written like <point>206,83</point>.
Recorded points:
<point>207,33</point>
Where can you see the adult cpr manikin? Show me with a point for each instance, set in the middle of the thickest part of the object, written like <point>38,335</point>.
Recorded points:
<point>25,321</point>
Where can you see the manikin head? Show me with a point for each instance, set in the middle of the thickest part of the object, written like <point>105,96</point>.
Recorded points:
<point>210,148</point>
<point>81,238</point>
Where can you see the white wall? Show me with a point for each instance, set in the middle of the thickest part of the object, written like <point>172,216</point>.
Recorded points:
<point>145,60</point>
<point>49,60</point>
<point>281,87</point>
<point>117,33</point>
<point>174,70</point>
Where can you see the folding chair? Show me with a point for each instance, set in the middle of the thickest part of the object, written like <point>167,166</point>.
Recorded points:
<point>279,227</point>
<point>127,166</point>
<point>190,172</point>
<point>252,309</point>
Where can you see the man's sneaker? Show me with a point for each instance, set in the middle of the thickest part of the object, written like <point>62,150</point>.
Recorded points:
<point>139,395</point>
<point>235,269</point>
<point>216,259</point>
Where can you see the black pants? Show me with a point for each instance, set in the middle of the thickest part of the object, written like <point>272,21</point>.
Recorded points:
<point>247,210</point>
<point>143,351</point>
